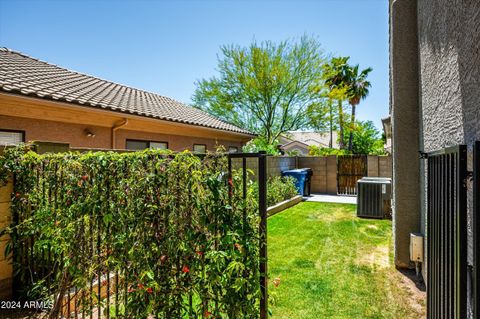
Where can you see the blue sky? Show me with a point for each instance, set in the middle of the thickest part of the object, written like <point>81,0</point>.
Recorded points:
<point>165,46</point>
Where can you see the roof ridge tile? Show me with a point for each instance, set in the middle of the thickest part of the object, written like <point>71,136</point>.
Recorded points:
<point>25,75</point>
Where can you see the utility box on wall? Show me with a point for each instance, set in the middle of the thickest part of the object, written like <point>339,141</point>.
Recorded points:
<point>416,247</point>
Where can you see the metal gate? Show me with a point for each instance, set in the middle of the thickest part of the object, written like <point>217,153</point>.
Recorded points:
<point>447,233</point>
<point>350,168</point>
<point>475,227</point>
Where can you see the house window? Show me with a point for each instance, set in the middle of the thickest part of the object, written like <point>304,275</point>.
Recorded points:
<point>232,149</point>
<point>139,145</point>
<point>159,145</point>
<point>8,137</point>
<point>199,148</point>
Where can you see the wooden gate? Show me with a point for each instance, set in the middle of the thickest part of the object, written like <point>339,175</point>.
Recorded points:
<point>350,168</point>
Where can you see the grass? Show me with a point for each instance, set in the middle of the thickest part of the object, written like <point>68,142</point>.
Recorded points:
<point>332,264</point>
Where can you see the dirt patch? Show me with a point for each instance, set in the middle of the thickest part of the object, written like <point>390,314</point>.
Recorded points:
<point>416,287</point>
<point>332,216</point>
<point>378,258</point>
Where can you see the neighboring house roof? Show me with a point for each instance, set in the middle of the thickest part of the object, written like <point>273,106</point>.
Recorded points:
<point>295,146</point>
<point>295,143</point>
<point>321,139</point>
<point>24,75</point>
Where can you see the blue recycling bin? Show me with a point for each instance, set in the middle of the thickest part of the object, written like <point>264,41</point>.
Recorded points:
<point>300,176</point>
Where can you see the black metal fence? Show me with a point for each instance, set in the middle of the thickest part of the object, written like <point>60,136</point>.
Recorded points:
<point>447,233</point>
<point>105,295</point>
<point>262,207</point>
<point>475,228</point>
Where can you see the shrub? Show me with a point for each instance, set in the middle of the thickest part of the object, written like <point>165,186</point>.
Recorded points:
<point>259,144</point>
<point>280,189</point>
<point>314,150</point>
<point>172,228</point>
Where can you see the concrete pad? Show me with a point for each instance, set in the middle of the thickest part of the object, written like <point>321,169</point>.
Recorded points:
<point>331,199</point>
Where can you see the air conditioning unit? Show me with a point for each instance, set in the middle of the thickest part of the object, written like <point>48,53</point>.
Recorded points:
<point>374,196</point>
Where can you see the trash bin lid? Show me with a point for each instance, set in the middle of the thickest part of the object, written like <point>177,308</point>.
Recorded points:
<point>298,171</point>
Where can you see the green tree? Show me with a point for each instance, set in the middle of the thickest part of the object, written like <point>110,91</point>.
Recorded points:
<point>322,116</point>
<point>266,87</point>
<point>358,89</point>
<point>260,144</point>
<point>335,75</point>
<point>367,139</point>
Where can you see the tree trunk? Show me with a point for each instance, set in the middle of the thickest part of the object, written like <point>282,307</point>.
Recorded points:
<point>341,142</point>
<point>350,138</point>
<point>330,143</point>
<point>62,290</point>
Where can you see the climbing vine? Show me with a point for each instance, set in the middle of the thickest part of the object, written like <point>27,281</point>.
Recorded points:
<point>134,235</point>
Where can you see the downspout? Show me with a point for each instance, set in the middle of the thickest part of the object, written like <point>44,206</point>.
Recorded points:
<point>115,127</point>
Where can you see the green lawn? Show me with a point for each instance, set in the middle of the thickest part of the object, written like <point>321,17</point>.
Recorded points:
<point>332,264</point>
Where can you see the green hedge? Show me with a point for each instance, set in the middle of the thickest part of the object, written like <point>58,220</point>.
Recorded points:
<point>280,189</point>
<point>163,222</point>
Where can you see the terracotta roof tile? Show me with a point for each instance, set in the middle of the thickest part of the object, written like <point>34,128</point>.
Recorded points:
<point>24,75</point>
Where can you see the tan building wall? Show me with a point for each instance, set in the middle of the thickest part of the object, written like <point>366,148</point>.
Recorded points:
<point>6,270</point>
<point>404,93</point>
<point>74,134</point>
<point>379,166</point>
<point>51,121</point>
<point>324,179</point>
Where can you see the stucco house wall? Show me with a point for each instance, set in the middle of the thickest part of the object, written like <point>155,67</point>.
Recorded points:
<point>405,127</point>
<point>74,134</point>
<point>448,98</point>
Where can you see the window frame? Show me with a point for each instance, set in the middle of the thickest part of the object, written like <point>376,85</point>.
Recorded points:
<point>13,131</point>
<point>143,141</point>
<point>164,142</point>
<point>204,145</point>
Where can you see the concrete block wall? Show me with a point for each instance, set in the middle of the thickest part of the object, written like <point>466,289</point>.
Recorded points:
<point>385,166</point>
<point>324,179</point>
<point>277,164</point>
<point>6,270</point>
<point>379,166</point>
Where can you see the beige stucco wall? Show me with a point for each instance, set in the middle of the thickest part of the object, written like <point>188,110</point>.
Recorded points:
<point>404,92</point>
<point>5,263</point>
<point>437,73</point>
<point>324,179</point>
<point>74,134</point>
<point>379,166</point>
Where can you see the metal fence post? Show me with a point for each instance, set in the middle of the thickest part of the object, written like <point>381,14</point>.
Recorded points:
<point>461,240</point>
<point>475,227</point>
<point>262,202</point>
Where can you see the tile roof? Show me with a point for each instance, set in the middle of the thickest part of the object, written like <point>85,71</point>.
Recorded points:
<point>24,75</point>
<point>321,139</point>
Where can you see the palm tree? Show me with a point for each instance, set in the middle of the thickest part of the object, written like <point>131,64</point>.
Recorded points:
<point>336,73</point>
<point>358,86</point>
